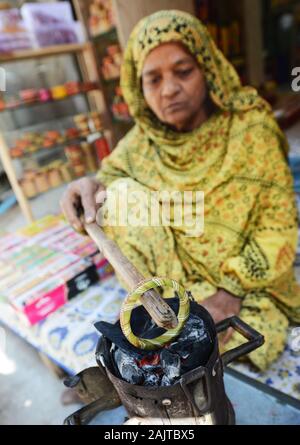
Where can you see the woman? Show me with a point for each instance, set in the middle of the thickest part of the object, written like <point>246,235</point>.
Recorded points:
<point>197,128</point>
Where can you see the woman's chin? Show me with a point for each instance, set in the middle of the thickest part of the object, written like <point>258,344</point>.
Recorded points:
<point>178,124</point>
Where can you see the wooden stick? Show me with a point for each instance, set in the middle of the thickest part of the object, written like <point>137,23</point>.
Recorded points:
<point>155,305</point>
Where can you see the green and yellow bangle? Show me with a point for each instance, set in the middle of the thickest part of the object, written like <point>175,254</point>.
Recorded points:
<point>131,302</point>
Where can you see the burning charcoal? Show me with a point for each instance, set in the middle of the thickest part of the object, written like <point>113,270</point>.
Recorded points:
<point>152,379</point>
<point>165,381</point>
<point>193,332</point>
<point>128,368</point>
<point>149,362</point>
<point>171,364</point>
<point>193,344</point>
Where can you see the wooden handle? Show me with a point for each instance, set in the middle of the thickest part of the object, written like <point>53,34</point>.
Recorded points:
<point>154,304</point>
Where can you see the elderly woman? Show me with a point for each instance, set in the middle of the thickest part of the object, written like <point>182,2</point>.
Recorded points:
<point>197,128</point>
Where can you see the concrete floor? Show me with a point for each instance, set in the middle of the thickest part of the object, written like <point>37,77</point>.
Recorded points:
<point>29,392</point>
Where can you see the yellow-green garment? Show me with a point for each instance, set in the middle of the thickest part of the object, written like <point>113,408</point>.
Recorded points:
<point>238,159</point>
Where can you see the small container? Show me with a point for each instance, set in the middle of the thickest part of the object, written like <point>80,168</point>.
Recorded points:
<point>54,177</point>
<point>59,92</point>
<point>79,170</point>
<point>112,50</point>
<point>44,95</point>
<point>30,175</point>
<point>16,152</point>
<point>72,87</point>
<point>41,182</point>
<point>95,123</point>
<point>72,133</point>
<point>65,171</point>
<point>81,122</point>
<point>53,135</point>
<point>102,147</point>
<point>29,95</point>
<point>28,187</point>
<point>47,143</point>
<point>74,153</point>
<point>90,156</point>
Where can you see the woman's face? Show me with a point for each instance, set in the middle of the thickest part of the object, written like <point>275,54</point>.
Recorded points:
<point>174,86</point>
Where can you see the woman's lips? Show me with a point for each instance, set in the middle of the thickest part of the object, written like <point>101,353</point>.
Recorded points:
<point>177,106</point>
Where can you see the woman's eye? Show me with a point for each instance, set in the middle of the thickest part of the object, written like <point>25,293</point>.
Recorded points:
<point>185,73</point>
<point>153,80</point>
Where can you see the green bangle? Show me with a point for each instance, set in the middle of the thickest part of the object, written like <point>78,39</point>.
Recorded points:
<point>130,302</point>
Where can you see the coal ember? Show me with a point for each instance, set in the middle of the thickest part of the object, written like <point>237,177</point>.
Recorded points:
<point>164,367</point>
<point>171,364</point>
<point>128,367</point>
<point>152,379</point>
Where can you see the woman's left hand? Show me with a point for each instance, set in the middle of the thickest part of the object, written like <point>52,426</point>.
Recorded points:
<point>222,305</point>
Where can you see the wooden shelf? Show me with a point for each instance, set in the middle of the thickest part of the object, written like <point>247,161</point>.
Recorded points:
<point>29,104</point>
<point>87,66</point>
<point>44,52</point>
<point>48,149</point>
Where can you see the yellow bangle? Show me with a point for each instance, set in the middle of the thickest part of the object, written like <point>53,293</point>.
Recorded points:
<point>130,302</point>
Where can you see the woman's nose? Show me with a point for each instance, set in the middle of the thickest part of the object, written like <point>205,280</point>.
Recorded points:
<point>170,88</point>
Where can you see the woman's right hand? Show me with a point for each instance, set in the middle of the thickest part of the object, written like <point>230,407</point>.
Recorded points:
<point>84,193</point>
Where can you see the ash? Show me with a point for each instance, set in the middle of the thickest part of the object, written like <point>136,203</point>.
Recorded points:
<point>165,366</point>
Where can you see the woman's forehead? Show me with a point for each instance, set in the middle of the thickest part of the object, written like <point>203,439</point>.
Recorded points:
<point>170,53</point>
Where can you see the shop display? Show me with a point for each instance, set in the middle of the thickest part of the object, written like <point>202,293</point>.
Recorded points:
<point>54,175</point>
<point>119,106</point>
<point>31,142</point>
<point>39,180</point>
<point>45,265</point>
<point>29,95</point>
<point>13,33</point>
<point>65,171</point>
<point>111,63</point>
<point>101,19</point>
<point>44,95</point>
<point>51,23</point>
<point>28,186</point>
<point>82,125</point>
<point>18,142</point>
<point>101,27</point>
<point>82,158</point>
<point>77,87</point>
<point>38,25</point>
<point>57,92</point>
<point>90,157</point>
<point>76,159</point>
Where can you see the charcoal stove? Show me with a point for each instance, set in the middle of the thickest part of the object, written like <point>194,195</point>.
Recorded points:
<point>197,398</point>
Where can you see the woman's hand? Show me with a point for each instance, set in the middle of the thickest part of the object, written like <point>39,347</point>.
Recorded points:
<point>85,193</point>
<point>222,305</point>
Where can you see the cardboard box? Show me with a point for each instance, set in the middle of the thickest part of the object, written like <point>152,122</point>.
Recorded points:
<point>13,32</point>
<point>45,265</point>
<point>51,23</point>
<point>45,298</point>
